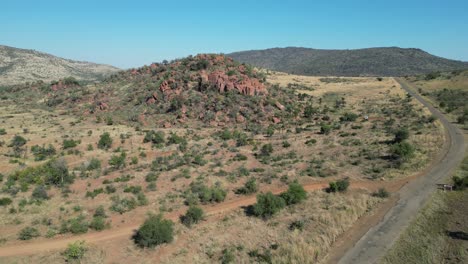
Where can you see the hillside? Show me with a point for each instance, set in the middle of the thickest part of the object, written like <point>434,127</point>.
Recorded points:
<point>21,65</point>
<point>391,61</point>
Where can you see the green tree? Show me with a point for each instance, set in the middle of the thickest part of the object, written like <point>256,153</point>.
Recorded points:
<point>402,151</point>
<point>193,215</point>
<point>295,194</point>
<point>154,231</point>
<point>267,205</point>
<point>105,141</point>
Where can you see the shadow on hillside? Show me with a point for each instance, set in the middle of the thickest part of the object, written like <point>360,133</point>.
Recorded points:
<point>457,235</point>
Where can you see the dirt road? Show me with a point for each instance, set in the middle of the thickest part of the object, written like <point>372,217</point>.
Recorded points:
<point>380,238</point>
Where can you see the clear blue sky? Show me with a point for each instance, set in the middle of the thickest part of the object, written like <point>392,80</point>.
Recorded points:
<point>133,33</point>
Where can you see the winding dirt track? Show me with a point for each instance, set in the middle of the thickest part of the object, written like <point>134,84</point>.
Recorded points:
<point>371,248</point>
<point>126,231</point>
<point>420,187</point>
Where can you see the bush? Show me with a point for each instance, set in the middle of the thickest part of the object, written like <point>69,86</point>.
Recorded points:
<point>123,205</point>
<point>193,216</point>
<point>297,225</point>
<point>267,205</point>
<point>154,231</point>
<point>40,193</point>
<point>154,137</point>
<point>105,141</point>
<point>100,212</point>
<point>41,153</point>
<point>348,117</point>
<point>295,194</point>
<point>78,225</point>
<point>325,129</point>
<point>98,223</point>
<point>118,162</point>
<point>227,256</point>
<point>249,187</point>
<point>28,233</point>
<point>460,182</point>
<point>266,150</point>
<point>94,164</point>
<point>75,251</point>
<point>151,177</point>
<point>401,135</point>
<point>206,194</point>
<point>381,193</point>
<point>69,143</point>
<point>402,151</point>
<point>17,141</point>
<point>5,201</point>
<point>339,186</point>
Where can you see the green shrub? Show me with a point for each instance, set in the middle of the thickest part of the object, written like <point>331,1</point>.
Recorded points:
<point>100,212</point>
<point>5,201</point>
<point>17,141</point>
<point>75,251</point>
<point>105,141</point>
<point>227,256</point>
<point>118,161</point>
<point>41,153</point>
<point>460,182</point>
<point>69,143</point>
<point>94,164</point>
<point>78,225</point>
<point>402,151</point>
<point>295,194</point>
<point>297,225</point>
<point>98,223</point>
<point>154,231</point>
<point>28,233</point>
<point>267,205</point>
<point>123,205</point>
<point>193,215</point>
<point>381,193</point>
<point>2,131</point>
<point>266,150</point>
<point>40,193</point>
<point>401,135</point>
<point>151,177</point>
<point>339,186</point>
<point>154,137</point>
<point>348,117</point>
<point>249,187</point>
<point>325,129</point>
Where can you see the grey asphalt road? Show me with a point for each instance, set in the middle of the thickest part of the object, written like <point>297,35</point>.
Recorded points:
<point>371,248</point>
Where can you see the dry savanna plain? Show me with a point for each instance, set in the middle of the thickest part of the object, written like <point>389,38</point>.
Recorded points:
<point>73,176</point>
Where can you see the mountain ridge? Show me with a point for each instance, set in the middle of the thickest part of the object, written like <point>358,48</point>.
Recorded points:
<point>27,65</point>
<point>378,61</point>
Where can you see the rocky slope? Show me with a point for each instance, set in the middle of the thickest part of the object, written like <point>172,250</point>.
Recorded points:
<point>20,65</point>
<point>391,61</point>
<point>206,89</point>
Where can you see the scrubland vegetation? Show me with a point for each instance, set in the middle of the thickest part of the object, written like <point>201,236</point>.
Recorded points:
<point>72,166</point>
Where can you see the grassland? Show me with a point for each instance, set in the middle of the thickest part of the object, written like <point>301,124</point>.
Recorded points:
<point>438,234</point>
<point>136,176</point>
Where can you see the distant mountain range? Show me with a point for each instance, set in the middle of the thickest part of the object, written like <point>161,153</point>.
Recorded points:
<point>391,61</point>
<point>21,65</point>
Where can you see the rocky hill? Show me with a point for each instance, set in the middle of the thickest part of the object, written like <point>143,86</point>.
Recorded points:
<point>20,65</point>
<point>207,89</point>
<point>391,61</point>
